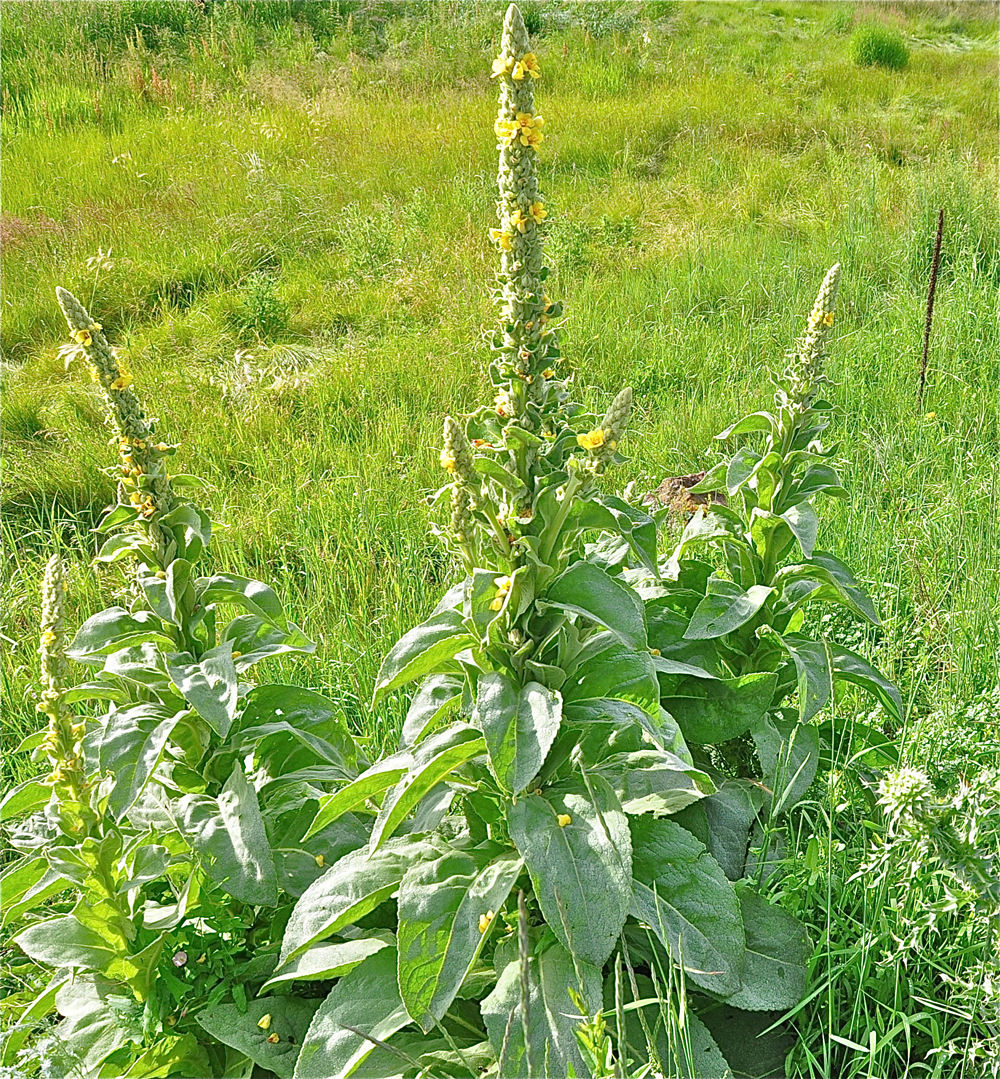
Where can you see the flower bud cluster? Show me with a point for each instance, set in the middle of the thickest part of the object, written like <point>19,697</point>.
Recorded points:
<point>62,744</point>
<point>804,374</point>
<point>144,481</point>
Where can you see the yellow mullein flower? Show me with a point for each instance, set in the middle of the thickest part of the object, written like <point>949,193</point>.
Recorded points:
<point>505,129</point>
<point>485,920</point>
<point>264,1021</point>
<point>528,128</point>
<point>537,212</point>
<point>548,372</point>
<point>122,382</point>
<point>320,860</point>
<point>930,416</point>
<point>828,319</point>
<point>502,402</point>
<point>447,461</point>
<point>502,238</point>
<point>502,65</point>
<point>503,587</point>
<point>274,1039</point>
<point>48,637</point>
<point>592,440</point>
<point>518,220</point>
<point>527,65</point>
<point>563,819</point>
<point>81,337</point>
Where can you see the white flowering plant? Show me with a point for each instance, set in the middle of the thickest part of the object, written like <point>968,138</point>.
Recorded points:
<point>566,820</point>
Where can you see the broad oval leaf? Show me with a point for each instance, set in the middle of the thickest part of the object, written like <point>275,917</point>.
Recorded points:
<point>714,711</point>
<point>553,1021</point>
<point>380,777</point>
<point>441,904</point>
<point>579,854</point>
<point>433,761</point>
<point>437,694</point>
<point>686,899</point>
<point>209,684</point>
<point>804,523</point>
<point>323,962</point>
<point>229,837</point>
<point>253,596</point>
<point>365,1001</point>
<point>519,724</point>
<point>350,889</point>
<point>774,970</point>
<point>25,798</point>
<point>609,669</point>
<point>114,629</point>
<point>725,609</point>
<point>585,589</point>
<point>132,745</point>
<point>66,942</point>
<point>289,1019</point>
<point>422,650</point>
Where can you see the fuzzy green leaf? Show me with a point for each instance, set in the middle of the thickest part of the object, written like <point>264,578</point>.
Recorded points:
<point>815,674</point>
<point>774,971</point>
<point>552,1016</point>
<point>367,999</point>
<point>850,667</point>
<point>714,711</point>
<point>423,650</point>
<point>350,889</point>
<point>209,685</point>
<point>684,897</point>
<point>114,629</point>
<point>585,589</point>
<point>229,837</point>
<point>253,596</point>
<point>240,1029</point>
<point>433,760</point>
<point>580,868</point>
<point>438,693</point>
<point>323,962</point>
<point>519,724</point>
<point>377,779</point>
<point>802,520</point>
<point>132,745</point>
<point>440,907</point>
<point>725,609</point>
<point>789,755</point>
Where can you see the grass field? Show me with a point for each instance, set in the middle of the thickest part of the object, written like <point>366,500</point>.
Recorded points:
<point>279,213</point>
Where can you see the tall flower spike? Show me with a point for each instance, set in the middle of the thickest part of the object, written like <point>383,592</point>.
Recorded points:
<point>805,374</point>
<point>526,343</point>
<point>457,457</point>
<point>145,483</point>
<point>70,808</point>
<point>616,418</point>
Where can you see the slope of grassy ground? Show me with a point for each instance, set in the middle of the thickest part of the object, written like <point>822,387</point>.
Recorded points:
<point>279,212</point>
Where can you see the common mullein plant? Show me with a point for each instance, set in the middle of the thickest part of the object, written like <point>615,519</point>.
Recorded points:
<point>170,819</point>
<point>592,737</point>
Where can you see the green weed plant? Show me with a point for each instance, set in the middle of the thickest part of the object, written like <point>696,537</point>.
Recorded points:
<point>876,45</point>
<point>574,830</point>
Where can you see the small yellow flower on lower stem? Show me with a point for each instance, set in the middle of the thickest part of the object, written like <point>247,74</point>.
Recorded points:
<point>447,461</point>
<point>122,382</point>
<point>264,1021</point>
<point>592,440</point>
<point>274,1039</point>
<point>537,212</point>
<point>548,372</point>
<point>502,238</point>
<point>563,819</point>
<point>503,65</point>
<point>828,319</point>
<point>320,860</point>
<point>48,637</point>
<point>82,337</point>
<point>485,920</point>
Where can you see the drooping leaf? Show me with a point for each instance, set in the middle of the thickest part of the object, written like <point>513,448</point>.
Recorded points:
<point>682,894</point>
<point>255,638</point>
<point>585,589</point>
<point>25,798</point>
<point>289,1020</point>
<point>365,999</point>
<point>836,582</point>
<point>655,781</point>
<point>802,520</point>
<point>774,971</point>
<point>552,1017</point>
<point>815,674</point>
<point>323,962</point>
<point>433,760</point>
<point>113,629</point>
<point>714,711</point>
<point>789,756</point>
<point>31,1015</point>
<point>614,515</point>
<point>437,694</point>
<point>64,941</point>
<point>725,609</point>
<point>519,724</point>
<point>850,667</point>
<point>441,904</point>
<point>578,853</point>
<point>350,889</point>
<point>133,744</point>
<point>422,650</point>
<point>208,684</point>
<point>253,596</point>
<point>229,837</point>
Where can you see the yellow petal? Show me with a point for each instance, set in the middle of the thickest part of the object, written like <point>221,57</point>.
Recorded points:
<point>264,1022</point>
<point>563,819</point>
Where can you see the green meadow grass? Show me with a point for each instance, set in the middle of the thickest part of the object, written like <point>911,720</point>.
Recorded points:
<point>285,232</point>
